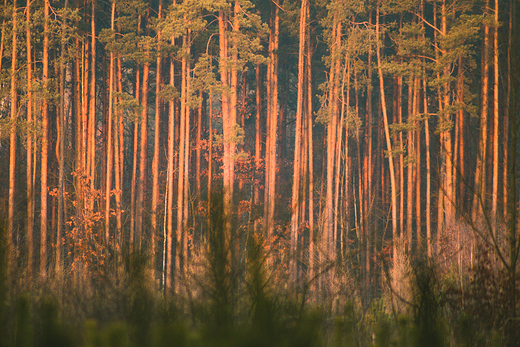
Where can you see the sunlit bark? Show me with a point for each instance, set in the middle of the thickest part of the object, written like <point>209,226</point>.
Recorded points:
<point>388,139</point>
<point>12,140</point>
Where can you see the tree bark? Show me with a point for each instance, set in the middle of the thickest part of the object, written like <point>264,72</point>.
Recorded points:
<point>494,194</point>
<point>479,198</point>
<point>296,194</point>
<point>388,139</point>
<point>45,146</point>
<point>12,142</point>
<point>155,160</point>
<point>30,137</point>
<point>170,177</point>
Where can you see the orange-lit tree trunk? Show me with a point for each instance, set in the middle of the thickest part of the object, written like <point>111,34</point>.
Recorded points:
<point>226,126</point>
<point>143,151</point>
<point>417,164</point>
<point>119,166</point>
<point>12,141</point>
<point>109,158</point>
<point>309,114</point>
<point>169,190</point>
<point>387,137</point>
<point>409,171</point>
<point>479,199</point>
<point>30,182</point>
<point>258,137</point>
<point>297,197</point>
<point>45,145</point>
<point>91,149</point>
<point>133,184</point>
<point>494,194</point>
<point>272,120</point>
<point>181,251</point>
<point>187,146</point>
<point>64,104</point>
<point>156,142</point>
<point>428,170</point>
<point>332,129</point>
<point>448,189</point>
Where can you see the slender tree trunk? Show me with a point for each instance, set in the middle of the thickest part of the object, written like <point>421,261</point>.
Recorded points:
<point>494,193</point>
<point>61,155</point>
<point>133,187</point>
<point>119,169</point>
<point>133,184</point>
<point>479,199</point>
<point>181,251</point>
<point>308,67</point>
<point>332,129</point>
<point>143,153</point>
<point>108,186</point>
<point>45,146</point>
<point>91,152</point>
<point>258,137</point>
<point>155,160</point>
<point>226,125</point>
<point>459,146</point>
<point>388,139</point>
<point>12,142</point>
<point>417,164</point>
<point>170,177</point>
<point>505,137</point>
<point>198,146</point>
<point>449,195</point>
<point>186,250</point>
<point>428,171</point>
<point>409,185</point>
<point>296,194</point>
<point>272,114</point>
<point>30,182</point>
<point>400,170</point>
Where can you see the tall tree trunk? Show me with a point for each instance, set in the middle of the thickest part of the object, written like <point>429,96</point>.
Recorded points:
<point>119,167</point>
<point>91,152</point>
<point>417,172</point>
<point>400,170</point>
<point>12,143</point>
<point>272,120</point>
<point>187,150</point>
<point>143,152</point>
<point>133,184</point>
<point>409,185</point>
<point>258,137</point>
<point>45,146</point>
<point>448,191</point>
<point>109,160</point>
<point>296,194</point>
<point>226,126</point>
<point>61,156</point>
<point>30,137</point>
<point>308,67</point>
<point>170,177</point>
<point>332,130</point>
<point>181,252</point>
<point>428,170</point>
<point>388,138</point>
<point>479,199</point>
<point>156,143</point>
<point>494,193</point>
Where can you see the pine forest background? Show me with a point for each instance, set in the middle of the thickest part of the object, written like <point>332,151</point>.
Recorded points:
<point>336,144</point>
